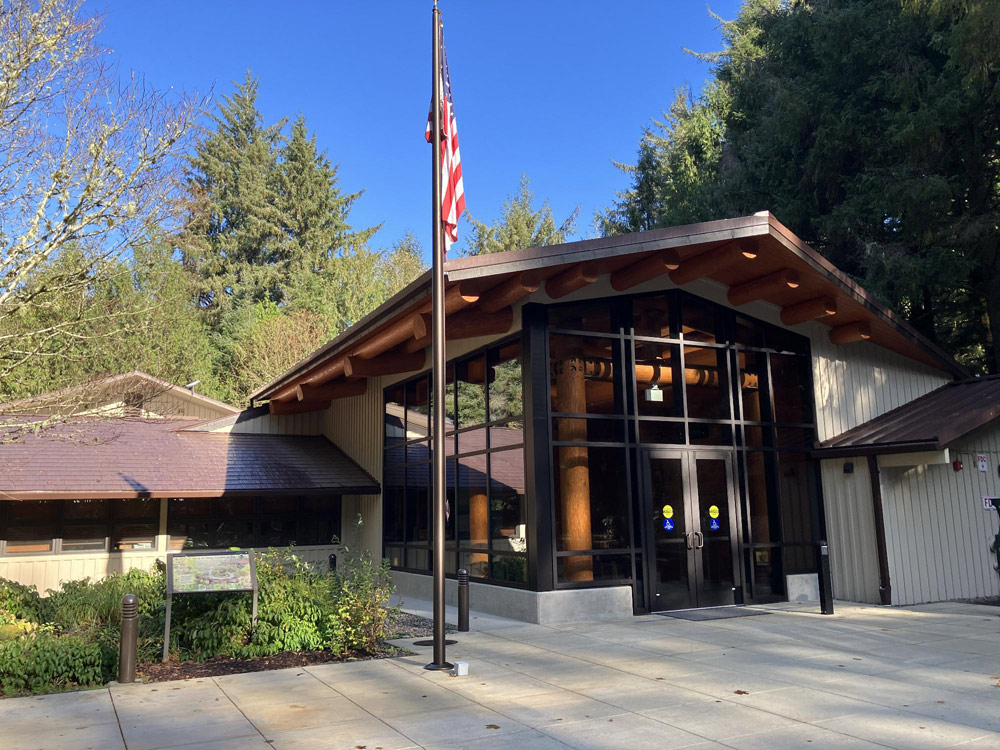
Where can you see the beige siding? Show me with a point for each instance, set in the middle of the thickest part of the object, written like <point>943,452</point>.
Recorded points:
<point>46,572</point>
<point>937,533</point>
<point>857,382</point>
<point>355,426</point>
<point>850,522</point>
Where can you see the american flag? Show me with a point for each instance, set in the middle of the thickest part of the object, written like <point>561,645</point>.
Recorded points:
<point>452,191</point>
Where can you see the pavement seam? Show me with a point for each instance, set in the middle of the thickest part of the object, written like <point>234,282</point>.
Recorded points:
<point>242,713</point>
<point>114,707</point>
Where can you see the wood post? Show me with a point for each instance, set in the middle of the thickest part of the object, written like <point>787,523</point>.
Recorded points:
<point>573,278</point>
<point>810,309</point>
<point>711,260</point>
<point>648,268</point>
<point>850,333</point>
<point>479,526</point>
<point>574,467</point>
<point>779,281</point>
<point>510,291</point>
<point>330,391</point>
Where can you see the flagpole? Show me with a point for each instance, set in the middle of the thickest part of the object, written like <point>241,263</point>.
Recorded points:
<point>437,354</point>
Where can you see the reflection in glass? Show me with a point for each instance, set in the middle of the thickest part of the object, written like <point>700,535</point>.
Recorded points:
<point>585,375</point>
<point>651,317</point>
<point>589,316</point>
<point>706,383</point>
<point>700,320</point>
<point>657,379</point>
<point>790,379</point>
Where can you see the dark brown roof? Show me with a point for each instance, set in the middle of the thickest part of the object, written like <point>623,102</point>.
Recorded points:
<point>123,458</point>
<point>779,249</point>
<point>930,422</point>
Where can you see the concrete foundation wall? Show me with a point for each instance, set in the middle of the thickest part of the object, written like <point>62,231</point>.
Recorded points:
<point>542,607</point>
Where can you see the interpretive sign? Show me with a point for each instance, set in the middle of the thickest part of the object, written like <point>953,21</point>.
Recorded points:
<point>209,573</point>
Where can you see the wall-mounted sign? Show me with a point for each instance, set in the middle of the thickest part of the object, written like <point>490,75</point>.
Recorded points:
<point>988,502</point>
<point>209,573</point>
<point>981,463</point>
<point>668,511</point>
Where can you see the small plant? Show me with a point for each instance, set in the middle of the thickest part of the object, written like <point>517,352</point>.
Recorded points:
<point>21,601</point>
<point>44,662</point>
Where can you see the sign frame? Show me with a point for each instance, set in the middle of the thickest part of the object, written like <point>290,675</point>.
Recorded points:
<point>221,553</point>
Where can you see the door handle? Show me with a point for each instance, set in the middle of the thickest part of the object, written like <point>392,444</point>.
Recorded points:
<point>687,539</point>
<point>701,539</point>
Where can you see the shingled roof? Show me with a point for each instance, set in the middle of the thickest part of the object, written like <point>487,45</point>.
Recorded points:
<point>928,423</point>
<point>164,458</point>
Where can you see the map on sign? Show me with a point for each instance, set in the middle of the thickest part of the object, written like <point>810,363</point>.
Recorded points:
<point>202,573</point>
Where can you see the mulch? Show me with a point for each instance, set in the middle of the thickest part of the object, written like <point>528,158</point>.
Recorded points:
<point>407,626</point>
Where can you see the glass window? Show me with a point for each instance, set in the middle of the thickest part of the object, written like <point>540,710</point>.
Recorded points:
<point>507,519</point>
<point>137,508</point>
<point>657,379</point>
<point>84,538</point>
<point>658,431</point>
<point>701,433</point>
<point>133,536</point>
<point>591,500</point>
<point>417,497</point>
<point>753,386</point>
<point>651,317</point>
<point>505,389</point>
<point>585,375</point>
<point>85,509</point>
<point>513,568</point>
<point>417,408</point>
<point>706,383</point>
<point>33,511</point>
<point>700,320</point>
<point>765,518</point>
<point>749,332</point>
<point>791,378</point>
<point>769,576</point>
<point>29,540</point>
<point>797,490</point>
<point>395,415</point>
<point>600,567</point>
<point>472,392</point>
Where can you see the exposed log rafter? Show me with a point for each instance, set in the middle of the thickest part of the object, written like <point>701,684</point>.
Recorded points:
<point>762,286</point>
<point>705,263</point>
<point>810,309</point>
<point>573,278</point>
<point>510,291</point>
<point>648,268</point>
<point>390,363</point>
<point>330,391</point>
<point>850,333</point>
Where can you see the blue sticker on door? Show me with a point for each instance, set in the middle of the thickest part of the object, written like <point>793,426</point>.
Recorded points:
<point>668,524</point>
<point>714,524</point>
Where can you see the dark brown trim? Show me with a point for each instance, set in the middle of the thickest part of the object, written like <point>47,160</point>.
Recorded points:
<point>856,451</point>
<point>884,584</point>
<point>160,494</point>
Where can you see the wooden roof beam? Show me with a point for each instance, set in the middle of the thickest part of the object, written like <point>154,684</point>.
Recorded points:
<point>648,268</point>
<point>510,291</point>
<point>391,363</point>
<point>330,391</point>
<point>296,407</point>
<point>850,333</point>
<point>465,326</point>
<point>573,278</point>
<point>810,309</point>
<point>407,327</point>
<point>762,286</point>
<point>711,260</point>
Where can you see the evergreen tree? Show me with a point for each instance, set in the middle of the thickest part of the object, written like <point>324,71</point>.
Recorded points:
<point>520,225</point>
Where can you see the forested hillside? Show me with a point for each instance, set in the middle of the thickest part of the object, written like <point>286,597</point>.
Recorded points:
<point>871,129</point>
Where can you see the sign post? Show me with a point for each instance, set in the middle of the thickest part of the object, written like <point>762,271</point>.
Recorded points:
<point>209,573</point>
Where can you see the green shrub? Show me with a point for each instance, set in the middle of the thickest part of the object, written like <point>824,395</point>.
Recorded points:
<point>362,618</point>
<point>86,603</point>
<point>23,602</point>
<point>45,662</point>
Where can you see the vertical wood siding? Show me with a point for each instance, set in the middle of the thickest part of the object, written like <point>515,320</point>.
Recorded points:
<point>309,423</point>
<point>355,426</point>
<point>937,533</point>
<point>857,382</point>
<point>850,523</point>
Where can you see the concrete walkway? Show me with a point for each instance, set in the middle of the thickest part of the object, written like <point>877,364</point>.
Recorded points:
<point>867,677</point>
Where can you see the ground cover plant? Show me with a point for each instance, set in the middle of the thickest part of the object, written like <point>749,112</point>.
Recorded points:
<point>70,638</point>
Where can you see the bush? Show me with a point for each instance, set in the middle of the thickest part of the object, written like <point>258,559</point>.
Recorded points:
<point>362,618</point>
<point>45,662</point>
<point>20,601</point>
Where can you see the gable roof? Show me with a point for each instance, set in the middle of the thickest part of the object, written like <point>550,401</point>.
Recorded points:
<point>102,391</point>
<point>120,458</point>
<point>929,423</point>
<point>488,277</point>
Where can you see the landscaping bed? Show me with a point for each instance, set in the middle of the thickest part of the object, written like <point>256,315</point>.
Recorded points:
<point>306,615</point>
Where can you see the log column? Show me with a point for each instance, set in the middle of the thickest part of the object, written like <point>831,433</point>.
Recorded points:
<point>574,466</point>
<point>479,528</point>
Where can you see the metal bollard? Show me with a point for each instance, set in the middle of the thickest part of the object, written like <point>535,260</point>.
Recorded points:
<point>130,628</point>
<point>463,600</point>
<point>825,580</point>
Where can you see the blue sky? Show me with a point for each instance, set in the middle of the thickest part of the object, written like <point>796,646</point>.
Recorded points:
<point>552,88</point>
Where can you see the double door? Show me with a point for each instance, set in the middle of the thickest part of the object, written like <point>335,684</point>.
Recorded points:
<point>693,509</point>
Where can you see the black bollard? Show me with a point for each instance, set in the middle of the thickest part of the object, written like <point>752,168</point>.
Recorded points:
<point>130,628</point>
<point>825,580</point>
<point>333,563</point>
<point>463,600</point>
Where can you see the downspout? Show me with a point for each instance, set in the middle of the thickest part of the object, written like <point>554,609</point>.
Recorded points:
<point>884,584</point>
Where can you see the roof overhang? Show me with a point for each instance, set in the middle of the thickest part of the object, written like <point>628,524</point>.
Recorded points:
<point>756,256</point>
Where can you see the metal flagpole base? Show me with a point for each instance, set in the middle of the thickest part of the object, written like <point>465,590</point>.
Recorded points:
<point>439,667</point>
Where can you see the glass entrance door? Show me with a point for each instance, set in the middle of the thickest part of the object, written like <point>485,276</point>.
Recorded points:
<point>692,505</point>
